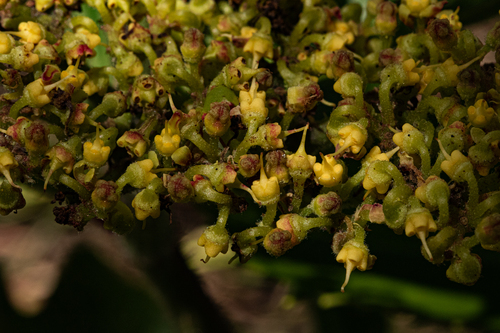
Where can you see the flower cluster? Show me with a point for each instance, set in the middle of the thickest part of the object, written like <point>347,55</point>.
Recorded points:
<point>182,117</point>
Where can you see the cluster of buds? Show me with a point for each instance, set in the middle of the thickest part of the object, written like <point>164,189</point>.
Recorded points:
<point>175,116</point>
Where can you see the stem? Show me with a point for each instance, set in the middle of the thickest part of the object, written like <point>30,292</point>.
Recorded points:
<point>385,101</point>
<point>75,186</point>
<point>298,189</point>
<point>21,103</point>
<point>246,144</point>
<point>286,121</point>
<point>223,215</point>
<point>316,222</point>
<point>473,196</point>
<point>425,159</point>
<point>268,219</point>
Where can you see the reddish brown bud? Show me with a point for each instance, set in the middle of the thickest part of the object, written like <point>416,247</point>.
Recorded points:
<point>278,241</point>
<point>180,188</point>
<point>442,33</point>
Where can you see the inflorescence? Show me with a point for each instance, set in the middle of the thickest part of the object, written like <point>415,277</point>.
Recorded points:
<point>202,103</point>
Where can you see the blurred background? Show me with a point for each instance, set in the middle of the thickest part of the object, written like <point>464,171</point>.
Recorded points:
<point>56,279</point>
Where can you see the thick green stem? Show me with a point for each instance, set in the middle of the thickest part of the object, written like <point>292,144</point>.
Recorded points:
<point>223,215</point>
<point>268,219</point>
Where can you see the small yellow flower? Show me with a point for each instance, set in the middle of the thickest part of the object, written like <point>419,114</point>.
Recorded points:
<point>6,43</point>
<point>38,92</point>
<point>420,223</point>
<point>92,40</point>
<point>169,139</point>
<point>376,154</point>
<point>215,240</point>
<point>412,78</point>
<point>147,176</point>
<point>266,189</point>
<point>7,162</point>
<point>453,163</point>
<point>77,79</point>
<point>43,5</point>
<point>96,153</point>
<point>398,138</point>
<point>353,255</point>
<point>451,16</point>
<point>260,46</point>
<point>300,160</point>
<point>351,137</point>
<point>480,114</point>
<point>253,102</point>
<point>247,32</point>
<point>29,32</point>
<point>416,6</point>
<point>329,172</point>
<point>146,204</point>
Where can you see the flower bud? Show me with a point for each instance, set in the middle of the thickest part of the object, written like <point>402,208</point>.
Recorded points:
<point>443,35</point>
<point>182,156</point>
<point>480,114</point>
<point>326,204</point>
<point>6,43</point>
<point>138,175</point>
<point>146,203</point>
<point>277,242</point>
<point>386,21</point>
<point>180,188</point>
<point>249,165</point>
<point>134,142</point>
<point>11,198</point>
<point>121,219</point>
<point>300,161</point>
<point>104,195</point>
<point>488,232</point>
<point>342,62</point>
<point>193,47</point>
<point>215,240</point>
<point>217,120</point>
<point>276,166</point>
<point>7,162</point>
<point>303,98</point>
<point>465,267</point>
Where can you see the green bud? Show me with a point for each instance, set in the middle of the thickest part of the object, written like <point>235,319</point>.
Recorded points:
<point>121,219</point>
<point>11,198</point>
<point>465,268</point>
<point>488,232</point>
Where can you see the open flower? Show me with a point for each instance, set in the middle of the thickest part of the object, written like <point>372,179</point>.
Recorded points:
<point>266,189</point>
<point>329,172</point>
<point>480,114</point>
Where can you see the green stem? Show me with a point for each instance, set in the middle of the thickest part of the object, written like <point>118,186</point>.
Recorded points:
<point>268,219</point>
<point>298,193</point>
<point>75,186</point>
<point>223,215</point>
<point>246,144</point>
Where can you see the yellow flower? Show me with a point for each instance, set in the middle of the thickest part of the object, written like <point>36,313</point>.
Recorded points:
<point>480,114</point>
<point>29,32</point>
<point>77,79</point>
<point>353,255</point>
<point>247,32</point>
<point>260,46</point>
<point>215,240</point>
<point>5,43</point>
<point>416,6</point>
<point>253,102</point>
<point>92,40</point>
<point>351,137</point>
<point>266,189</point>
<point>96,153</point>
<point>300,160</point>
<point>412,78</point>
<point>398,138</point>
<point>43,5</point>
<point>420,223</point>
<point>451,16</point>
<point>144,167</point>
<point>7,162</point>
<point>329,173</point>
<point>169,139</point>
<point>376,154</point>
<point>453,163</point>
